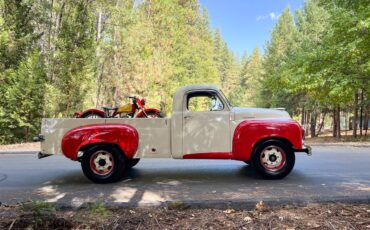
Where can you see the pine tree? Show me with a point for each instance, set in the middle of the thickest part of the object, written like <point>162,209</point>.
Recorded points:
<point>278,50</point>
<point>252,78</point>
<point>22,73</point>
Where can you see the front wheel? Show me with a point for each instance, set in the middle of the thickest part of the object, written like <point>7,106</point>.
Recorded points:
<point>103,164</point>
<point>273,159</point>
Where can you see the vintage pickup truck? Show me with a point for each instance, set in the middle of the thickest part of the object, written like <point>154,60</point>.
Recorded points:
<point>203,126</point>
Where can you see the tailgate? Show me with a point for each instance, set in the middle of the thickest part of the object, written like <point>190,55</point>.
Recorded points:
<point>53,130</point>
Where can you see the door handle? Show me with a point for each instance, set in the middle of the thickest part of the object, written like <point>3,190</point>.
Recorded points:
<point>187,117</point>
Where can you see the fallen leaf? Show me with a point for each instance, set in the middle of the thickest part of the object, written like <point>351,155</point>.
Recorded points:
<point>248,219</point>
<point>228,211</point>
<point>260,206</point>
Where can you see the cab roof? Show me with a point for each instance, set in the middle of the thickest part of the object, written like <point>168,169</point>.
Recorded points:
<point>180,92</point>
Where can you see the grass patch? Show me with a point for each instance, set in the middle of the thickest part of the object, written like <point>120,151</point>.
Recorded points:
<point>98,209</point>
<point>38,207</point>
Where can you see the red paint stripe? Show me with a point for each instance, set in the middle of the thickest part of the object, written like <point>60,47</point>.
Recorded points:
<point>213,155</point>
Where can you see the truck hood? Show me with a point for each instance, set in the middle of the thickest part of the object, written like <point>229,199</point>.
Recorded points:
<point>259,113</point>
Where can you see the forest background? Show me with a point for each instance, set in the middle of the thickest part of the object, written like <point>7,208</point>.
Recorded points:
<point>62,56</point>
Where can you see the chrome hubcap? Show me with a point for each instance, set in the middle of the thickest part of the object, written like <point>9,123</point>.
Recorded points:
<point>102,162</point>
<point>273,158</point>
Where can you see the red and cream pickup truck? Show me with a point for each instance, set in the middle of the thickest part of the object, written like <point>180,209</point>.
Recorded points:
<point>203,126</point>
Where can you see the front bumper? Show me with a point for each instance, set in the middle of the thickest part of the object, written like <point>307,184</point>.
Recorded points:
<point>306,149</point>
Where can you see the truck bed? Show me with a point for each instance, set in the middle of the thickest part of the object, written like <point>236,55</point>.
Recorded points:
<point>154,134</point>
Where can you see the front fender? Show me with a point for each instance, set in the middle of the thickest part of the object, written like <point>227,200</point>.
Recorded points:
<point>248,133</point>
<point>124,136</point>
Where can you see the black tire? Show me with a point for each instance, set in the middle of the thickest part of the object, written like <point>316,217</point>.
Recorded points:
<point>112,155</point>
<point>278,153</point>
<point>132,162</point>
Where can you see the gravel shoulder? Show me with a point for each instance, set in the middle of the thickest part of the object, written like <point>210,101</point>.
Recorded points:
<point>21,147</point>
<point>97,216</point>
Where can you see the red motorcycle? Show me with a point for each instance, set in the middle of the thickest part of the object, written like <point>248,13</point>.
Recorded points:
<point>135,109</point>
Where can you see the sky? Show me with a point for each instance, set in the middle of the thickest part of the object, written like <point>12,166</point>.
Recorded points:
<point>246,24</point>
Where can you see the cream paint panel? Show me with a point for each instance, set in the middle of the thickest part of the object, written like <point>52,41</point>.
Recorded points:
<point>153,134</point>
<point>176,134</point>
<point>205,132</point>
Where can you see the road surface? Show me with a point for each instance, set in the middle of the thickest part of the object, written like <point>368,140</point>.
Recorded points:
<point>330,174</point>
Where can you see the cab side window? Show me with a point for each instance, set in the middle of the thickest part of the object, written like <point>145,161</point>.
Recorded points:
<point>204,101</point>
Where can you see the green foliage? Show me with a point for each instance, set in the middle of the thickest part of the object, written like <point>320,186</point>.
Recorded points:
<point>74,57</point>
<point>247,91</point>
<point>22,74</point>
<point>59,57</point>
<point>40,211</point>
<point>98,209</point>
<point>318,59</point>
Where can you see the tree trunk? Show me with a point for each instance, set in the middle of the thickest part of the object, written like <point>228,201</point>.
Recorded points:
<point>307,117</point>
<point>313,124</point>
<point>361,111</point>
<point>334,122</point>
<point>338,122</point>
<point>366,125</point>
<point>355,115</point>
<point>321,124</point>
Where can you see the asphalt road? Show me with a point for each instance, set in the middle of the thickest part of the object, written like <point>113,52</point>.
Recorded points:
<point>330,174</point>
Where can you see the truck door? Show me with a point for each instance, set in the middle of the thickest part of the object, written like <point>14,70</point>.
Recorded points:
<point>206,126</point>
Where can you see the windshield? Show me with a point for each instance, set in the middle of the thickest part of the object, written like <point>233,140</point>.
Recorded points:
<point>227,100</point>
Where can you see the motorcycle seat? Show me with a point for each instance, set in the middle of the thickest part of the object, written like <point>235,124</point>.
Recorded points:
<point>109,108</point>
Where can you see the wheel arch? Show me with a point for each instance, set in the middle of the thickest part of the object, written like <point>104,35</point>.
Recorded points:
<point>122,136</point>
<point>249,134</point>
<point>285,141</point>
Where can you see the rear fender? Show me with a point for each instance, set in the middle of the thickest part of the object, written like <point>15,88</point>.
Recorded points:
<point>249,133</point>
<point>124,136</point>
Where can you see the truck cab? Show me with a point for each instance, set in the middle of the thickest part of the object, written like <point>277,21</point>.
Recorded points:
<point>204,125</point>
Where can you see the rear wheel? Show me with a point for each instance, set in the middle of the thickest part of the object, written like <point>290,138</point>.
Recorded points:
<point>92,115</point>
<point>273,159</point>
<point>103,164</point>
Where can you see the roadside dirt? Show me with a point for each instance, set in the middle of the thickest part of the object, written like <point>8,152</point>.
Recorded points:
<point>312,216</point>
<point>345,139</point>
<point>31,146</point>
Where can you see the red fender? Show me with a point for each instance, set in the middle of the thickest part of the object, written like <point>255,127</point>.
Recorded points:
<point>141,113</point>
<point>96,111</point>
<point>122,135</point>
<point>248,133</point>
